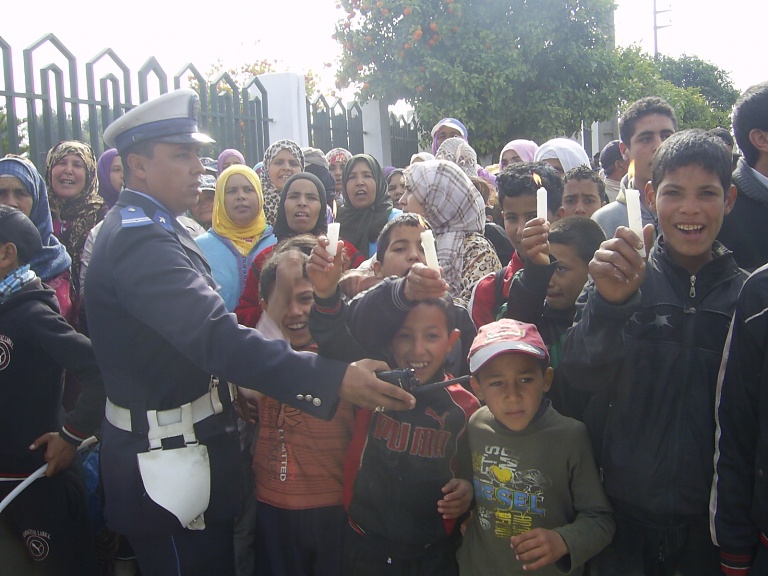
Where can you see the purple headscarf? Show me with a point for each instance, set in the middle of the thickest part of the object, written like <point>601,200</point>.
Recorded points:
<point>224,155</point>
<point>526,149</point>
<point>103,168</point>
<point>451,123</point>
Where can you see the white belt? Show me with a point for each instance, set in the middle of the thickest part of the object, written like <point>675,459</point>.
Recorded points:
<point>175,421</point>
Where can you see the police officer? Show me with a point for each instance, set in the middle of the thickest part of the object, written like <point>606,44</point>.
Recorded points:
<point>163,338</point>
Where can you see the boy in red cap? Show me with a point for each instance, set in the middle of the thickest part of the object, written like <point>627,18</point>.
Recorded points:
<point>540,503</point>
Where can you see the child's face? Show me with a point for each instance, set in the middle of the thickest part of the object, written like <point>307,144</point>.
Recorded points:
<point>512,386</point>
<point>691,203</point>
<point>404,251</point>
<point>423,341</point>
<point>569,278</point>
<point>295,322</point>
<point>580,198</point>
<point>517,212</point>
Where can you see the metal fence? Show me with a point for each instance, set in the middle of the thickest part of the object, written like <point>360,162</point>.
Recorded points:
<point>404,136</point>
<point>44,112</point>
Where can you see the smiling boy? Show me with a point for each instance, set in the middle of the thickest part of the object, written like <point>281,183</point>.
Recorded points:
<point>649,343</point>
<point>540,505</point>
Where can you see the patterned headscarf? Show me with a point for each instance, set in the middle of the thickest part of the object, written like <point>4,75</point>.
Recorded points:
<point>53,260</point>
<point>223,156</point>
<point>361,226</point>
<point>82,212</point>
<point>271,193</point>
<point>570,153</point>
<point>451,122</point>
<point>458,151</point>
<point>526,149</point>
<point>282,230</point>
<point>338,155</point>
<point>243,237</point>
<point>454,208</point>
<point>103,169</point>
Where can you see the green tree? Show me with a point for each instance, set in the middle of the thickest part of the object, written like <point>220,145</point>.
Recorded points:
<point>695,105</point>
<point>713,83</point>
<point>507,69</point>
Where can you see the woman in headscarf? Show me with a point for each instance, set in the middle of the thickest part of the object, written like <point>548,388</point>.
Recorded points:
<point>517,151</point>
<point>367,206</point>
<point>109,170</point>
<point>301,211</point>
<point>227,158</point>
<point>282,160</point>
<point>395,186</point>
<point>76,207</point>
<point>238,233</point>
<point>22,187</point>
<point>447,128</point>
<point>562,154</point>
<point>337,160</point>
<point>446,197</point>
<point>421,157</point>
<point>458,151</point>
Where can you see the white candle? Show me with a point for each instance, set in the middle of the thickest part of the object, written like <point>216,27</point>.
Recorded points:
<point>634,215</point>
<point>333,237</point>
<point>541,203</point>
<point>430,252</point>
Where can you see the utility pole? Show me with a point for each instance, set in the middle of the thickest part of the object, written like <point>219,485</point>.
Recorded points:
<point>656,28</point>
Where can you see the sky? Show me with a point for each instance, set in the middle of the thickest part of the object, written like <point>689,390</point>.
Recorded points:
<point>297,33</point>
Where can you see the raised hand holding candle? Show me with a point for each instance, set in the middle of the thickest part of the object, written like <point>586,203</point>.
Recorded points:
<point>634,212</point>
<point>430,252</point>
<point>541,199</point>
<point>333,237</point>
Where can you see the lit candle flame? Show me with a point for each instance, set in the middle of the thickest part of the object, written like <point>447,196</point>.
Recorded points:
<point>631,170</point>
<point>537,179</point>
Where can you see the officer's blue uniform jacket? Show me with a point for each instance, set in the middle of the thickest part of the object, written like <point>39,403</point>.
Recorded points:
<point>159,331</point>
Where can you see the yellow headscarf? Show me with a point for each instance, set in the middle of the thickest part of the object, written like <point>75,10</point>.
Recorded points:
<point>243,237</point>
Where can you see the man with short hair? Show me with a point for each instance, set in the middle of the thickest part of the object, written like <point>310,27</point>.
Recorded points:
<point>614,167</point>
<point>644,126</point>
<point>170,354</point>
<point>743,230</point>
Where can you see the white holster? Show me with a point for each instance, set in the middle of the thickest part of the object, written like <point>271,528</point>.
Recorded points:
<point>178,479</point>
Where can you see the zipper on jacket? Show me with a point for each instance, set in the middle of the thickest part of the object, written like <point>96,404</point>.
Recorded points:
<point>692,291</point>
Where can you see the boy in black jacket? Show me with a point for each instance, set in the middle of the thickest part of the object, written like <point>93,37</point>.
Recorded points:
<point>36,345</point>
<point>649,343</point>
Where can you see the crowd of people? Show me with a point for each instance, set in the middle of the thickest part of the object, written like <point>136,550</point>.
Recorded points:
<point>283,382</point>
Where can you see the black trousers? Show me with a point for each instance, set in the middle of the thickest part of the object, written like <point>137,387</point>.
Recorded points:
<point>185,552</point>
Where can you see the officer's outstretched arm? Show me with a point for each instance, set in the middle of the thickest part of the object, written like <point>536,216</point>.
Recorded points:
<point>361,387</point>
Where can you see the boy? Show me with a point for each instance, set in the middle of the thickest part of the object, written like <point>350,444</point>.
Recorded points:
<point>544,292</point>
<point>298,461</point>
<point>738,507</point>
<point>36,345</point>
<point>743,229</point>
<point>399,249</point>
<point>517,194</point>
<point>583,193</point>
<point>407,473</point>
<point>540,504</point>
<point>649,344</point>
<point>644,126</point>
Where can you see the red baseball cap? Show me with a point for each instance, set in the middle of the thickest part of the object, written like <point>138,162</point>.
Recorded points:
<point>505,335</point>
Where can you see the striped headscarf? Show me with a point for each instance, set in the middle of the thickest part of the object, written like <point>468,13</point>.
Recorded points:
<point>452,206</point>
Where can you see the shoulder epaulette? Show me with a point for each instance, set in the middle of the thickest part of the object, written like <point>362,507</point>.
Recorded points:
<point>164,220</point>
<point>132,216</point>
